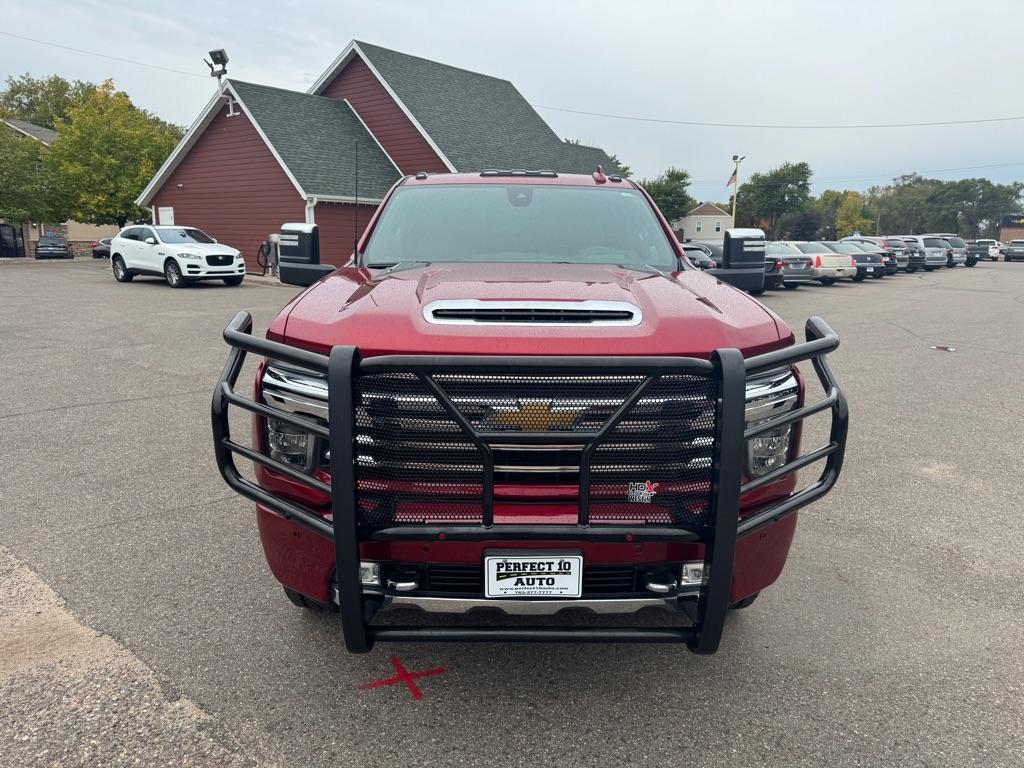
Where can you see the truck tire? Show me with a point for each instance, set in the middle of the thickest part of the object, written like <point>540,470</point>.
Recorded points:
<point>234,280</point>
<point>172,274</point>
<point>756,292</point>
<point>827,281</point>
<point>859,277</point>
<point>308,603</point>
<point>121,274</point>
<point>791,286</point>
<point>746,601</point>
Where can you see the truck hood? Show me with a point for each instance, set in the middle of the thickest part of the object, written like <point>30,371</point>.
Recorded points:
<point>683,313</point>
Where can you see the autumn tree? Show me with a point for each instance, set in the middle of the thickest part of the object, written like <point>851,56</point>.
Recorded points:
<point>108,152</point>
<point>851,216</point>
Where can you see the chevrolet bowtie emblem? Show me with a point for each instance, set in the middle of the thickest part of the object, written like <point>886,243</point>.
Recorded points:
<point>535,417</point>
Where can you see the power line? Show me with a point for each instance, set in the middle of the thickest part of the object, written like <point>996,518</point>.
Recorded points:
<point>102,55</point>
<point>702,124</point>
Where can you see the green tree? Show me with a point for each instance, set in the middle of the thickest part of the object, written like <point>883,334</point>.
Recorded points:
<point>827,205</point>
<point>44,101</point>
<point>624,170</point>
<point>107,154</point>
<point>766,197</point>
<point>31,188</point>
<point>669,192</point>
<point>851,216</point>
<point>802,225</point>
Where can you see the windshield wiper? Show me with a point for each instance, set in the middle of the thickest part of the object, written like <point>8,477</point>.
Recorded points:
<point>645,268</point>
<point>390,269</point>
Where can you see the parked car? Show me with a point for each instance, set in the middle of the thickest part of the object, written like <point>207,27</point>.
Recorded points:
<point>181,255</point>
<point>895,252</point>
<point>52,248</point>
<point>614,445</point>
<point>936,250</point>
<point>101,248</point>
<point>828,266</point>
<point>915,253</point>
<point>957,252</point>
<point>868,263</point>
<point>699,256</point>
<point>993,248</point>
<point>797,268</point>
<point>1014,251</point>
<point>773,265</point>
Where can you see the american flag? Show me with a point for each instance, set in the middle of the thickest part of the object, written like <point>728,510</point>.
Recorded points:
<point>732,179</point>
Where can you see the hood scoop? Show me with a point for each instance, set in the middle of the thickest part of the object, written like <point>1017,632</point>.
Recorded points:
<point>546,313</point>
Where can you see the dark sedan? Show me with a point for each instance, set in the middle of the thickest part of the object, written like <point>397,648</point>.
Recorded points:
<point>797,267</point>
<point>101,249</point>
<point>699,256</point>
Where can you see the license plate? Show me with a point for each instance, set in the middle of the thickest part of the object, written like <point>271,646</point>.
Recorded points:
<point>870,269</point>
<point>516,574</point>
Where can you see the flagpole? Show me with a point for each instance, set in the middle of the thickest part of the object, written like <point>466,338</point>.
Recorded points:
<point>736,185</point>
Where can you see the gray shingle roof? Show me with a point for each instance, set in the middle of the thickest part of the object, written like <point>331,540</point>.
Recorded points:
<point>45,135</point>
<point>478,121</point>
<point>316,139</point>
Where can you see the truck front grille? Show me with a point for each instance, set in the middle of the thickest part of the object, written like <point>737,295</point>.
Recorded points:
<point>467,579</point>
<point>420,457</point>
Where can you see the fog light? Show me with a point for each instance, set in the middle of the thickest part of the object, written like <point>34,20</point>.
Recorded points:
<point>369,574</point>
<point>768,451</point>
<point>289,445</point>
<point>691,573</point>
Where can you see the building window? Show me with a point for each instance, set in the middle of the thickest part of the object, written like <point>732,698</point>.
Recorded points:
<point>700,225</point>
<point>718,226</point>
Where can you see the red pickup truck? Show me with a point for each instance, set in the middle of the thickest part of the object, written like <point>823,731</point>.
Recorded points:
<point>520,395</point>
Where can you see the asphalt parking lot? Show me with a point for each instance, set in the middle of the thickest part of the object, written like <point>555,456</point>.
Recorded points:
<point>893,637</point>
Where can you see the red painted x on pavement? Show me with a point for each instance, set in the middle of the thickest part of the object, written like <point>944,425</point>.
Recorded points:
<point>404,676</point>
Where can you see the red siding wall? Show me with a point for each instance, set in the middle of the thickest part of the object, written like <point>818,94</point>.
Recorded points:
<point>337,223</point>
<point>384,118</point>
<point>233,188</point>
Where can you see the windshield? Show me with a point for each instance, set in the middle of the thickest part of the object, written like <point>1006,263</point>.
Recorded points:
<point>519,223</point>
<point>814,248</point>
<point>183,235</point>
<point>934,242</point>
<point>846,248</point>
<point>956,242</point>
<point>1017,243</point>
<point>778,249</point>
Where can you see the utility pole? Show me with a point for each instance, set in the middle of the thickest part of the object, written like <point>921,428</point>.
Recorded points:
<point>736,185</point>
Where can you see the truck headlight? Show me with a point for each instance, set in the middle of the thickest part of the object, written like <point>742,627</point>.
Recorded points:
<point>304,394</point>
<point>289,444</point>
<point>769,395</point>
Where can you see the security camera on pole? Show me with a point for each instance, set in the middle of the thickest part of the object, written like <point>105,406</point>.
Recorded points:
<point>734,180</point>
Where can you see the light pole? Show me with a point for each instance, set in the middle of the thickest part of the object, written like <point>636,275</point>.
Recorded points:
<point>736,185</point>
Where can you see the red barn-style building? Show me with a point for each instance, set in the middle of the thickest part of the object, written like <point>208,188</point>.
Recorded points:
<point>257,156</point>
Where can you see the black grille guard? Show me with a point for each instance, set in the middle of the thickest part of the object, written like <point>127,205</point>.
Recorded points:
<point>726,367</point>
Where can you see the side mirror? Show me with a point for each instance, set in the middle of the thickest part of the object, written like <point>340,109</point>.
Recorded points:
<point>742,263</point>
<point>150,241</point>
<point>213,239</point>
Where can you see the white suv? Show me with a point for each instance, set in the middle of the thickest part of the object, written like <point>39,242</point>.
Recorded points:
<point>178,254</point>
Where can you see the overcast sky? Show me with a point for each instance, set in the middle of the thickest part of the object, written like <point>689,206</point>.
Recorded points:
<point>735,61</point>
